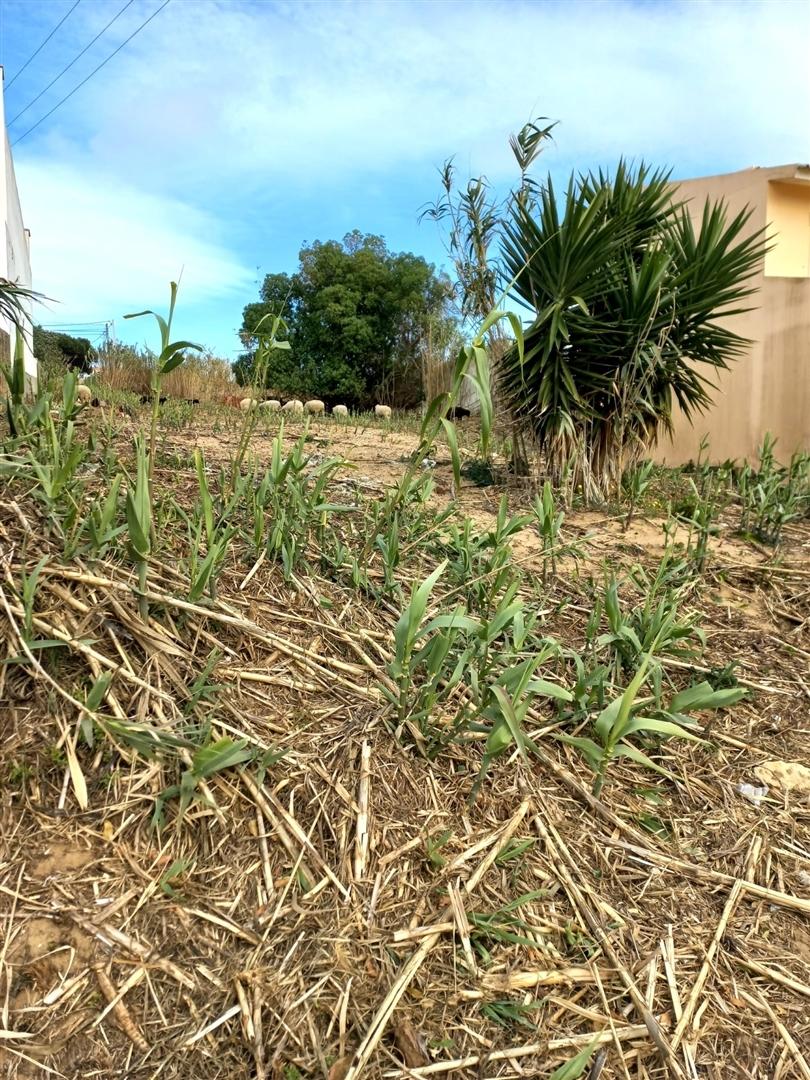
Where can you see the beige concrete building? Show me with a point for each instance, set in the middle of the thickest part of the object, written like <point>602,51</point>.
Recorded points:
<point>767,389</point>
<point>15,254</point>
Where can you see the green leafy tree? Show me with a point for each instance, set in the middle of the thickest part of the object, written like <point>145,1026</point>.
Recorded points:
<point>359,317</point>
<point>54,349</point>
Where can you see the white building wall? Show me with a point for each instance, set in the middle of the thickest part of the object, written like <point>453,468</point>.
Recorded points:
<point>15,246</point>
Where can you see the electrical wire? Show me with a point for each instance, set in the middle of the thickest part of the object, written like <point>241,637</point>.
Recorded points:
<point>64,70</point>
<point>42,46</point>
<point>92,73</point>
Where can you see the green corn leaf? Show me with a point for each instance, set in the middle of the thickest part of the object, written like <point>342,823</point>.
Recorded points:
<point>606,720</point>
<point>592,753</point>
<point>507,710</point>
<point>704,696</point>
<point>646,724</point>
<point>95,694</point>
<point>223,754</point>
<point>455,620</point>
<point>574,1068</point>
<point>138,538</point>
<point>634,754</point>
<point>550,690</point>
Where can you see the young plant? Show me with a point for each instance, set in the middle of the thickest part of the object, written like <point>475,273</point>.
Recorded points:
<point>204,569</point>
<point>471,358</point>
<point>549,524</point>
<point>55,462</point>
<point>171,356</point>
<point>209,760</point>
<point>424,668</point>
<point>635,483</point>
<point>621,720</point>
<point>139,521</point>
<point>102,521</point>
<point>657,621</point>
<point>772,497</point>
<point>503,926</point>
<point>14,374</point>
<point>512,695</point>
<point>268,341</point>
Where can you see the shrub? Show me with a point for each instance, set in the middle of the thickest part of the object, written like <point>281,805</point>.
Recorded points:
<point>625,294</point>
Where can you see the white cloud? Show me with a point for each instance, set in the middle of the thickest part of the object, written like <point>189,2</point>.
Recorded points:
<point>102,248</point>
<point>214,128</point>
<point>316,92</point>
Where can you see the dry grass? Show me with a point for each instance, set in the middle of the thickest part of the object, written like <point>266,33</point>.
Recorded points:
<point>304,923</point>
<point>202,377</point>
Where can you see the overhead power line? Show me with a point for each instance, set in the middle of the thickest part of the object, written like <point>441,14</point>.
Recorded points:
<point>72,62</point>
<point>36,52</point>
<point>92,73</point>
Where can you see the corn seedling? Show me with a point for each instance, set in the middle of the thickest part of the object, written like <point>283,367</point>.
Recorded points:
<point>632,635</point>
<point>102,521</point>
<point>472,363</point>
<point>433,846</point>
<point>621,720</point>
<point>171,356</point>
<point>27,595</point>
<point>206,762</point>
<point>507,1013</point>
<point>510,698</point>
<point>267,333</point>
<point>549,523</point>
<point>139,521</point>
<point>502,927</point>
<point>576,1066</point>
<point>388,546</point>
<point>424,668</point>
<point>17,415</point>
<point>635,483</point>
<point>480,564</point>
<point>589,690</point>
<point>772,497</point>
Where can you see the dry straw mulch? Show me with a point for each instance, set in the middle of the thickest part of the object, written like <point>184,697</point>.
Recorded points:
<point>322,917</point>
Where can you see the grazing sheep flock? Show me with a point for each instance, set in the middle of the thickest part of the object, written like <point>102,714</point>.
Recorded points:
<point>313,407</point>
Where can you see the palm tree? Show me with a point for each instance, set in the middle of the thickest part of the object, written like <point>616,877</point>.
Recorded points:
<point>626,297</point>
<point>13,303</point>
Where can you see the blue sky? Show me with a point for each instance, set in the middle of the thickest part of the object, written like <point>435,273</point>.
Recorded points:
<point>229,132</point>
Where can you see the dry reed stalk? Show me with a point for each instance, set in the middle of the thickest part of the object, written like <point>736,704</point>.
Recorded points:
<point>115,1004</point>
<point>388,1006</point>
<point>362,835</point>
<point>563,865</point>
<point>625,1034</point>
<point>711,952</point>
<point>761,1003</point>
<point>702,873</point>
<point>773,975</point>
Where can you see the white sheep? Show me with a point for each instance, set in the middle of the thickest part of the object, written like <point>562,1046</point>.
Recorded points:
<point>248,403</point>
<point>271,405</point>
<point>294,406</point>
<point>315,407</point>
<point>84,394</point>
<point>340,410</point>
<point>383,411</point>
